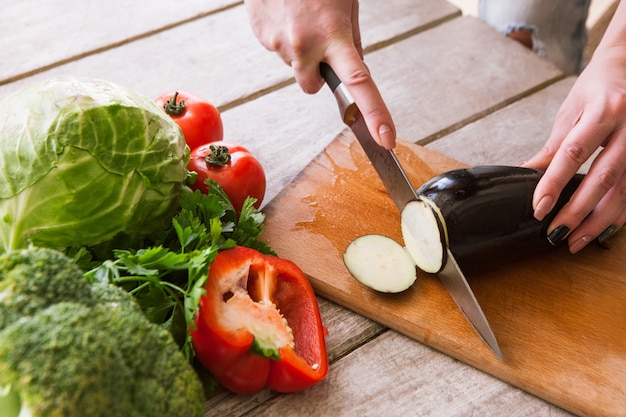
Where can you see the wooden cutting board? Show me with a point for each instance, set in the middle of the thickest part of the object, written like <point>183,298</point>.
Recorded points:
<point>560,319</point>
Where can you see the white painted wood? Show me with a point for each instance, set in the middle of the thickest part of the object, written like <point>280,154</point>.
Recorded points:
<point>508,136</point>
<point>396,376</point>
<point>40,33</point>
<point>216,56</point>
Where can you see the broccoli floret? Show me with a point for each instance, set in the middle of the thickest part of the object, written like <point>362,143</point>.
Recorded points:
<point>35,278</point>
<point>59,362</point>
<point>93,355</point>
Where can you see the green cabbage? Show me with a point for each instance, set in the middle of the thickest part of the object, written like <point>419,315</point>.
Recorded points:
<point>82,160</point>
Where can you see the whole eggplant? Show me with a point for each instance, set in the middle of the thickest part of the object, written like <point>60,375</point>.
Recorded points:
<point>487,213</point>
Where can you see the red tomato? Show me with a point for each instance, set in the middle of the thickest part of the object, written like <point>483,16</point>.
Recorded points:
<point>233,167</point>
<point>199,120</point>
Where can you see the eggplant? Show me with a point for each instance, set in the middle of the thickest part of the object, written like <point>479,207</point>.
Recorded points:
<point>484,214</point>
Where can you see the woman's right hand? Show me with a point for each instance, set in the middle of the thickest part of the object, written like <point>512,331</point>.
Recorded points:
<point>305,33</point>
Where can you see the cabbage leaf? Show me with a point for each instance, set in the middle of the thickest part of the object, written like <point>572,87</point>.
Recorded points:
<point>82,160</point>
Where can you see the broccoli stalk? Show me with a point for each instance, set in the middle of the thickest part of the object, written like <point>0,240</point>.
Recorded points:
<point>10,402</point>
<point>75,349</point>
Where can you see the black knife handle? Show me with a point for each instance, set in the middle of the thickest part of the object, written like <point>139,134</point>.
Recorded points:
<point>329,76</point>
<point>347,107</point>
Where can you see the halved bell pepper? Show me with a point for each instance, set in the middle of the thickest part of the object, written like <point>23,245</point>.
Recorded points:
<point>259,324</point>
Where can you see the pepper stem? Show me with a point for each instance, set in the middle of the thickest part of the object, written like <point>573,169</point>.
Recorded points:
<point>172,108</point>
<point>218,157</point>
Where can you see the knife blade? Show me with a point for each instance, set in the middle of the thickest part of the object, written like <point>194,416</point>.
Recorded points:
<point>397,183</point>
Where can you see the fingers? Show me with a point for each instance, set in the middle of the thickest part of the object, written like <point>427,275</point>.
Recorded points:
<point>600,200</point>
<point>307,75</point>
<point>356,29</point>
<point>606,184</point>
<point>305,33</point>
<point>304,51</point>
<point>605,219</point>
<point>346,60</point>
<point>565,157</point>
<point>344,53</point>
<point>355,75</point>
<point>357,78</point>
<point>564,122</point>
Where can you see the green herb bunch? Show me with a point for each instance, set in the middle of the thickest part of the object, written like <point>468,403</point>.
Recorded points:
<point>166,273</point>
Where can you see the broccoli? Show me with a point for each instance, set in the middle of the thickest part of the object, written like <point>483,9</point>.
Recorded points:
<point>69,348</point>
<point>33,279</point>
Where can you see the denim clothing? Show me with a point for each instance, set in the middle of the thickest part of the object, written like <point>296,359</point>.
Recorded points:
<point>558,27</point>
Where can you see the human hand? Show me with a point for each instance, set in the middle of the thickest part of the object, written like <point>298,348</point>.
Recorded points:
<point>305,33</point>
<point>592,117</point>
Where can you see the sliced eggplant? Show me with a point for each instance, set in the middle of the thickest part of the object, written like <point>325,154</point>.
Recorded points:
<point>380,263</point>
<point>424,235</point>
<point>484,214</point>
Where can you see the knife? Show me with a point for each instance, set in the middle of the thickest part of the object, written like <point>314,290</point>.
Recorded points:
<point>402,191</point>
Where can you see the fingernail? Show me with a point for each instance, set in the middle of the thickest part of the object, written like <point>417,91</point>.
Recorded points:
<point>579,244</point>
<point>544,207</point>
<point>608,232</point>
<point>386,136</point>
<point>557,235</point>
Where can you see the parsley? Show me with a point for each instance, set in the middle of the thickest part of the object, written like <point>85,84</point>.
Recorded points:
<point>167,273</point>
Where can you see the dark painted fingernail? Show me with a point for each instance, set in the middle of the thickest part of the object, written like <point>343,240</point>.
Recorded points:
<point>557,235</point>
<point>604,236</point>
<point>608,232</point>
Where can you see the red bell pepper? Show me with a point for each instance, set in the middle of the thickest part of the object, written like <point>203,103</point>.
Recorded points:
<point>259,324</point>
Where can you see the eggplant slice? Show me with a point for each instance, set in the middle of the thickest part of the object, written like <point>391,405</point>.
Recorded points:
<point>380,263</point>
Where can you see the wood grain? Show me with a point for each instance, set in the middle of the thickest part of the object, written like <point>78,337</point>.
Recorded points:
<point>214,55</point>
<point>38,34</point>
<point>560,320</point>
<point>394,375</point>
<point>443,78</point>
<point>510,135</point>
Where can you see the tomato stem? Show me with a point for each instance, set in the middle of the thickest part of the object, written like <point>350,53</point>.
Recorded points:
<point>172,108</point>
<point>218,157</point>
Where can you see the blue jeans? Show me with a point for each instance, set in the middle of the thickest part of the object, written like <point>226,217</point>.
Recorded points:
<point>558,27</point>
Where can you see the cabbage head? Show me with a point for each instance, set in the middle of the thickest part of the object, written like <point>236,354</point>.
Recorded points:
<point>84,159</point>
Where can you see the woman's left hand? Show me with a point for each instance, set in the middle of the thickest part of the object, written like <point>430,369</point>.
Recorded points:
<point>592,118</point>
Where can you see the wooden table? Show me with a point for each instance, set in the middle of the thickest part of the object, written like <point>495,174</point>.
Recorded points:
<point>453,84</point>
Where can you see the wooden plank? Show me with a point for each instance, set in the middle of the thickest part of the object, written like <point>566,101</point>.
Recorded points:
<point>40,33</point>
<point>447,77</point>
<point>511,135</point>
<point>216,56</point>
<point>400,18</point>
<point>562,333</point>
<point>396,376</point>
<point>508,136</point>
<point>346,330</point>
